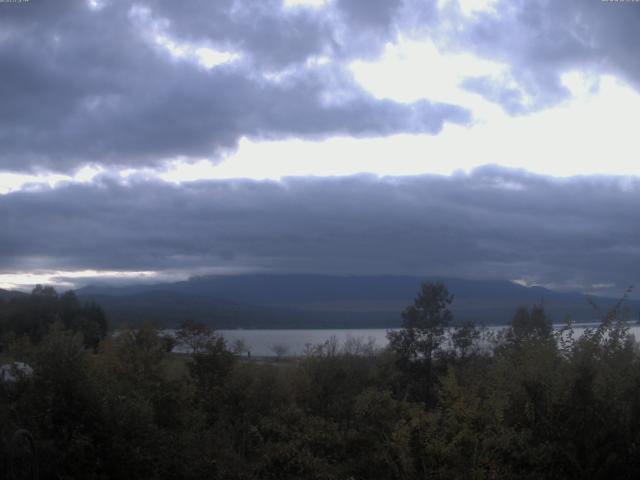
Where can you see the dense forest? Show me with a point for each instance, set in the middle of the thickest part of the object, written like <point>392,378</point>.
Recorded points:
<point>438,402</point>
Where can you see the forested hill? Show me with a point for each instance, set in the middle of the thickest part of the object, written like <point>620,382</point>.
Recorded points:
<point>9,294</point>
<point>324,301</point>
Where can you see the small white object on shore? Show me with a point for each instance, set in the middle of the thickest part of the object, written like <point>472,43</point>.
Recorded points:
<point>12,372</point>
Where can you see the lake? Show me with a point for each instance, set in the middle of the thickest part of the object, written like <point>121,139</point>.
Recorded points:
<point>260,342</point>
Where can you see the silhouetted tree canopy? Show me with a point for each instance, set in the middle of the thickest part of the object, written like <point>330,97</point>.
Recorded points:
<point>33,315</point>
<point>424,325</point>
<point>527,402</point>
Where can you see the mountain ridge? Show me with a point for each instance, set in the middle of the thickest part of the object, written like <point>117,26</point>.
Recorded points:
<point>326,301</point>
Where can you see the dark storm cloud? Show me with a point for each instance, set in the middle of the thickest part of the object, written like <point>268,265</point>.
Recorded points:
<point>541,39</point>
<point>272,36</point>
<point>91,85</point>
<point>493,223</point>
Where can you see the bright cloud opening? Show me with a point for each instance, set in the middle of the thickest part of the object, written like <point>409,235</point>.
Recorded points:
<point>411,70</point>
<point>472,7</point>
<point>156,30</point>
<point>11,182</point>
<point>305,3</point>
<point>64,279</point>
<point>592,134</point>
<point>204,56</point>
<point>96,4</point>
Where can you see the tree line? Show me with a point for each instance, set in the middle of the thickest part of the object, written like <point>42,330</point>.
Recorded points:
<point>441,401</point>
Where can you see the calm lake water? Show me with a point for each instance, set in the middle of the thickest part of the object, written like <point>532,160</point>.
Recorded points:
<point>260,342</point>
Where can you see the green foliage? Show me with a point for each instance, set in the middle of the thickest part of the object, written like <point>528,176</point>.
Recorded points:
<point>424,325</point>
<point>194,336</point>
<point>529,325</point>
<point>441,402</point>
<point>418,344</point>
<point>33,315</point>
<point>209,370</point>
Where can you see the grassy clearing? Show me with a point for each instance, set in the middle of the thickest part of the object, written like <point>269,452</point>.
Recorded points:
<point>176,365</point>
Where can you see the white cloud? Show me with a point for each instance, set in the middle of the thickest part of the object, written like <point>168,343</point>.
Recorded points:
<point>96,4</point>
<point>593,133</point>
<point>11,182</point>
<point>156,30</point>
<point>64,279</point>
<point>411,70</point>
<point>204,56</point>
<point>305,3</point>
<point>472,7</point>
<point>209,58</point>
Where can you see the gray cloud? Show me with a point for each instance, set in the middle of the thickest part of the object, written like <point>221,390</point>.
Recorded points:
<point>540,39</point>
<point>82,85</point>
<point>91,86</point>
<point>492,223</point>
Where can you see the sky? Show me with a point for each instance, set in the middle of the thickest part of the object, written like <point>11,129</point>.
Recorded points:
<point>155,140</point>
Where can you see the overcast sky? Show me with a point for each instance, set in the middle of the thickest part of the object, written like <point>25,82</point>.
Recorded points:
<point>154,140</point>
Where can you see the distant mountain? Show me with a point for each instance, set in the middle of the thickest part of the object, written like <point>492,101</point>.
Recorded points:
<point>324,301</point>
<point>9,294</point>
